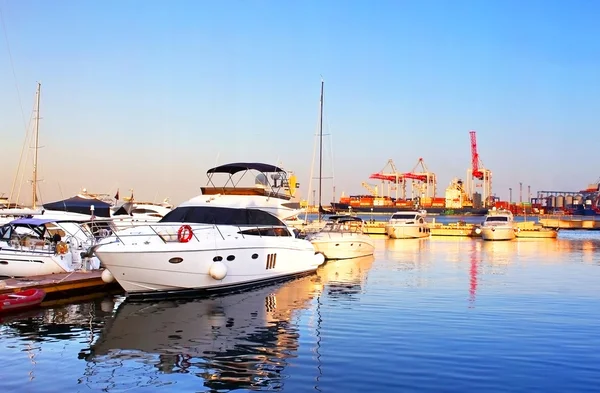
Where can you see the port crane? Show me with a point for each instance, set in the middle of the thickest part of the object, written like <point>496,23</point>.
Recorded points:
<point>372,189</point>
<point>423,182</point>
<point>478,176</point>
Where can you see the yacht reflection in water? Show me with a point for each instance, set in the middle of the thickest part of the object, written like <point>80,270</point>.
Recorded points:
<point>236,341</point>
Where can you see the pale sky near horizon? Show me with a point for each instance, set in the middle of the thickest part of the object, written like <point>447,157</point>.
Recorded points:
<point>150,94</point>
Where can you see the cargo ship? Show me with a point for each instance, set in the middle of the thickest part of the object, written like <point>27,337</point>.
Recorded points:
<point>455,202</point>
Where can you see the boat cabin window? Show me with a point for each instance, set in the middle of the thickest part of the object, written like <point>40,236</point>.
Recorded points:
<point>497,219</point>
<point>342,226</point>
<point>221,216</point>
<point>404,217</point>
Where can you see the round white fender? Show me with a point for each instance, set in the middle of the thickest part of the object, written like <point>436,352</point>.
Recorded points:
<point>319,258</point>
<point>218,270</point>
<point>107,276</point>
<point>478,230</point>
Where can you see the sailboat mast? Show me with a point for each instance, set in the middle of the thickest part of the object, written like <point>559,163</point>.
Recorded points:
<point>35,147</point>
<point>321,150</point>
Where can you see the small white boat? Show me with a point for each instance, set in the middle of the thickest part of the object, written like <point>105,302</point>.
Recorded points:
<point>342,237</point>
<point>498,225</point>
<point>199,247</point>
<point>38,246</point>
<point>408,225</point>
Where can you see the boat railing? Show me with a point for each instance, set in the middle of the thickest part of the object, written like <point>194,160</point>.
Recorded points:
<point>170,232</point>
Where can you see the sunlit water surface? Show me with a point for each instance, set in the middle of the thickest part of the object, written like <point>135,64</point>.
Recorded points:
<point>430,315</point>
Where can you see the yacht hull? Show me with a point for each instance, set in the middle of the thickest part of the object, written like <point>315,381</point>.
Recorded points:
<point>20,263</point>
<point>179,267</point>
<point>497,233</point>
<point>407,231</point>
<point>27,264</point>
<point>345,246</point>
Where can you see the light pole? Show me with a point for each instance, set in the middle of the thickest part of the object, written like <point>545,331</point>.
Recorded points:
<point>510,196</point>
<point>520,193</point>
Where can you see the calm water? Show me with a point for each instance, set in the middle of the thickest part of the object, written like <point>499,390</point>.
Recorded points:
<point>433,315</point>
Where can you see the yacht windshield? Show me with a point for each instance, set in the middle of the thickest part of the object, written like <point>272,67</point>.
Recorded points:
<point>404,217</point>
<point>221,216</point>
<point>497,219</point>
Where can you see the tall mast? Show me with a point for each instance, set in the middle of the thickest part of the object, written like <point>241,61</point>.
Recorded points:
<point>36,146</point>
<point>321,150</point>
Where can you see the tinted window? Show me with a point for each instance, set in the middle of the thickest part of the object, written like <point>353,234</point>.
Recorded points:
<point>220,216</point>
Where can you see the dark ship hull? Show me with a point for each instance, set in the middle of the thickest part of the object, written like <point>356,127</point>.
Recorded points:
<point>343,207</point>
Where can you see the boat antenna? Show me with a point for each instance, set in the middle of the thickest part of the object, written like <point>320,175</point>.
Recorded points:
<point>36,146</point>
<point>321,150</point>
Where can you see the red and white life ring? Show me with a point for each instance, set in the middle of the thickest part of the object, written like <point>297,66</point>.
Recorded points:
<point>184,234</point>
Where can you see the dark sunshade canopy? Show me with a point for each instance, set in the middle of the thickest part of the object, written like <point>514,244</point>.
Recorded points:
<point>81,206</point>
<point>244,166</point>
<point>344,218</point>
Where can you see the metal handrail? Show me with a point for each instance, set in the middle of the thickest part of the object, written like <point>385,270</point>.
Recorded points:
<point>155,229</point>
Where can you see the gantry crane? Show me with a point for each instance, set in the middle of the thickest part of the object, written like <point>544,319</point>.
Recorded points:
<point>372,189</point>
<point>478,176</point>
<point>423,182</point>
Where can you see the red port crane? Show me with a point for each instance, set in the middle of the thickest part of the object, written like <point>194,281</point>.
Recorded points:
<point>426,189</point>
<point>475,157</point>
<point>479,172</point>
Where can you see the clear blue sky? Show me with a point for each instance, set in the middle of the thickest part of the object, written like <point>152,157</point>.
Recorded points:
<point>149,95</point>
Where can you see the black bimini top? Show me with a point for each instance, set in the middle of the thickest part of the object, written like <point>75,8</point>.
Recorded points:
<point>344,218</point>
<point>244,166</point>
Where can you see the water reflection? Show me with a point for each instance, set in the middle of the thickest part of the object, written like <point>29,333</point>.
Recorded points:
<point>242,340</point>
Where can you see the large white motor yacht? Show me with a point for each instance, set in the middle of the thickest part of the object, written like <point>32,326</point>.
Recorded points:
<point>205,247</point>
<point>407,225</point>
<point>342,237</point>
<point>498,225</point>
<point>38,246</point>
<point>273,191</point>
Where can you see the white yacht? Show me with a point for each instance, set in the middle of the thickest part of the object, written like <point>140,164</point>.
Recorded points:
<point>38,246</point>
<point>137,213</point>
<point>273,191</point>
<point>408,225</point>
<point>498,225</point>
<point>199,247</point>
<point>342,237</point>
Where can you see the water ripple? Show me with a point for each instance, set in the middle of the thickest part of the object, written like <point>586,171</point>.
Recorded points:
<point>430,315</point>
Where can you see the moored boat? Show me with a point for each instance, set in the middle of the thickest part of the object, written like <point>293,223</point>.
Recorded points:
<point>22,300</point>
<point>342,237</point>
<point>498,225</point>
<point>205,248</point>
<point>407,225</point>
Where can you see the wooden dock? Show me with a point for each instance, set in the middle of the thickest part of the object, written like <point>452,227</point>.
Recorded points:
<point>60,285</point>
<point>571,222</point>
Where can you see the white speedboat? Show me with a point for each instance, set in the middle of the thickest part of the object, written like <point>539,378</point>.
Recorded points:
<point>407,225</point>
<point>498,225</point>
<point>138,213</point>
<point>342,237</point>
<point>273,191</point>
<point>37,246</point>
<point>199,247</point>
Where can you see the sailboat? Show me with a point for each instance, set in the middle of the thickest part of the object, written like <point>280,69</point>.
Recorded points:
<point>342,237</point>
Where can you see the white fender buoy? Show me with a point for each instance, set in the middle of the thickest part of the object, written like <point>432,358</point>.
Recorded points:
<point>319,258</point>
<point>107,276</point>
<point>218,270</point>
<point>478,230</point>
